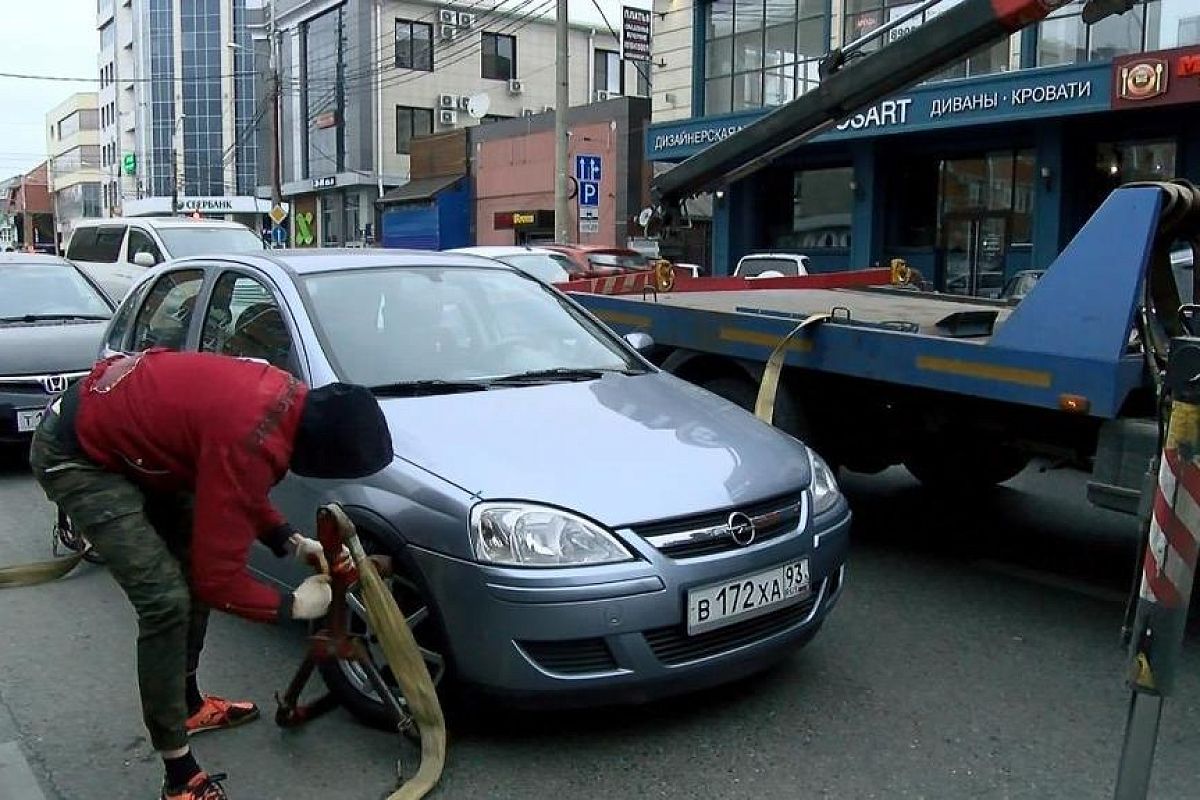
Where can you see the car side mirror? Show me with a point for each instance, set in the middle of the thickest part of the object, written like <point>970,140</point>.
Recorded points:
<point>144,259</point>
<point>639,341</point>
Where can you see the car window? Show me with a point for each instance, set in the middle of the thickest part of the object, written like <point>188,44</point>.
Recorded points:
<point>108,243</point>
<point>118,335</point>
<point>198,240</point>
<point>244,319</point>
<point>140,242</point>
<point>83,244</point>
<point>630,261</point>
<point>164,318</point>
<point>543,266</point>
<point>753,267</point>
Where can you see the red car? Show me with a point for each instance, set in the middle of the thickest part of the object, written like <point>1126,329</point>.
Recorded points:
<point>600,261</point>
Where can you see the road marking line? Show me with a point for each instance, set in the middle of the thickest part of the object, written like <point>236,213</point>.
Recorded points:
<point>16,778</point>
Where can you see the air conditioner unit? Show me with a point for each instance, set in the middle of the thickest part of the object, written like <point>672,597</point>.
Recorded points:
<point>515,87</point>
<point>466,20</point>
<point>447,101</point>
<point>447,117</point>
<point>602,95</point>
<point>463,102</point>
<point>447,33</point>
<point>448,16</point>
<point>528,112</point>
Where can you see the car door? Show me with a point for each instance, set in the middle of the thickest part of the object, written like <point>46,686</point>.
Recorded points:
<point>97,250</point>
<point>245,317</point>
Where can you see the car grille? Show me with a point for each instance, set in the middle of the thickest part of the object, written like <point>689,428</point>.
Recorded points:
<point>572,656</point>
<point>673,646</point>
<point>32,386</point>
<point>704,534</point>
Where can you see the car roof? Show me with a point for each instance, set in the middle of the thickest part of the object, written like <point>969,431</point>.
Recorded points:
<point>159,222</point>
<point>327,259</point>
<point>773,255</point>
<point>493,251</point>
<point>11,258</point>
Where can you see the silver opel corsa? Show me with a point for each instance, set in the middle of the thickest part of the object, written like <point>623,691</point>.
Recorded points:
<point>571,525</point>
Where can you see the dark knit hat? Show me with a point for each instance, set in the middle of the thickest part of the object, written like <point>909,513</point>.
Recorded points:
<point>342,434</point>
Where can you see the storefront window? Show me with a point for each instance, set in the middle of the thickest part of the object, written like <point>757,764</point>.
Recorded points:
<point>352,225</point>
<point>819,216</point>
<point>1119,163</point>
<point>330,221</point>
<point>759,52</point>
<point>1000,181</point>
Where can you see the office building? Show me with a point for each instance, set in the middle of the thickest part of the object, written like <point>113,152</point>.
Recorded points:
<point>74,166</point>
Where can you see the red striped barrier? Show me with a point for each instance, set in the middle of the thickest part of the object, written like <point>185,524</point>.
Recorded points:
<point>640,281</point>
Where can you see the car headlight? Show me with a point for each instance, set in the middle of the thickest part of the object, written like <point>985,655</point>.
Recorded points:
<point>824,486</point>
<point>527,535</point>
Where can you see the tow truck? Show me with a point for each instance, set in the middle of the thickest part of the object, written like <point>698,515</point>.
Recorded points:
<point>963,392</point>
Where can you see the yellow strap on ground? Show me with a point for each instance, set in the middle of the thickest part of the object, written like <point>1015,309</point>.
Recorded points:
<point>41,572</point>
<point>404,657</point>
<point>764,405</point>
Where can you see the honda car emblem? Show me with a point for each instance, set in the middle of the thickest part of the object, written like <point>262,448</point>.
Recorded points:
<point>53,384</point>
<point>741,528</point>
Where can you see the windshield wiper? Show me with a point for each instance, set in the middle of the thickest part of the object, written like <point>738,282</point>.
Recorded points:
<point>427,387</point>
<point>48,317</point>
<point>561,374</point>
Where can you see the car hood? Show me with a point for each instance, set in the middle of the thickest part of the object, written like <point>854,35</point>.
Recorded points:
<point>43,348</point>
<point>621,449</point>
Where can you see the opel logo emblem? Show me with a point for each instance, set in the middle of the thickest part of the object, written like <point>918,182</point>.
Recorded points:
<point>53,384</point>
<point>741,528</point>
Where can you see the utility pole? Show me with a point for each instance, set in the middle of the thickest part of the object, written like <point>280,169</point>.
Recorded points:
<point>275,91</point>
<point>562,105</point>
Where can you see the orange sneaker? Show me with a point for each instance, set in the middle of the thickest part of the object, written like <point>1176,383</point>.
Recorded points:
<point>217,713</point>
<point>201,787</point>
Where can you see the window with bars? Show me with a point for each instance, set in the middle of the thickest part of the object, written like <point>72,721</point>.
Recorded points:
<point>414,45</point>
<point>411,122</point>
<point>498,57</point>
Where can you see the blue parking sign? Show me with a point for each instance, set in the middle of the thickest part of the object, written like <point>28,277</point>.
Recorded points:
<point>587,168</point>
<point>589,193</point>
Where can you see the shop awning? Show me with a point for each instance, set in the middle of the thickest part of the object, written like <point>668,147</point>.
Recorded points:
<point>418,190</point>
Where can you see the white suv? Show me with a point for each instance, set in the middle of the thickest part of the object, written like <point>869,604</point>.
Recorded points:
<point>114,252</point>
<point>771,265</point>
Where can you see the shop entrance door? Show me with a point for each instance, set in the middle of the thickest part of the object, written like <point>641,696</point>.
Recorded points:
<point>975,247</point>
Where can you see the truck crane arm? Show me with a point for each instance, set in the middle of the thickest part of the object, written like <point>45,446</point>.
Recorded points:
<point>851,85</point>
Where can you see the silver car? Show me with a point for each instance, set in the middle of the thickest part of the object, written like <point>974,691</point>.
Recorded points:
<point>572,525</point>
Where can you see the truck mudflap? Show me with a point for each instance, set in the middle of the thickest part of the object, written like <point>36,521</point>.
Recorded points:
<point>1123,472</point>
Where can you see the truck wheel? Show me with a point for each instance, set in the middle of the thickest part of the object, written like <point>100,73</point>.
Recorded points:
<point>966,468</point>
<point>736,390</point>
<point>347,680</point>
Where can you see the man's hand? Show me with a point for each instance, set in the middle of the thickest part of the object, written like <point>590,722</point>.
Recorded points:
<point>312,597</point>
<point>312,553</point>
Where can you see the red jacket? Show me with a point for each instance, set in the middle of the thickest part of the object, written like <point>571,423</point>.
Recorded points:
<point>217,426</point>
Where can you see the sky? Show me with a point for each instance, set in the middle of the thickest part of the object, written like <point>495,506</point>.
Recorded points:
<point>59,37</point>
<point>40,37</point>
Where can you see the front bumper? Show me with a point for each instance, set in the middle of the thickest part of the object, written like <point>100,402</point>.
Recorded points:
<point>570,637</point>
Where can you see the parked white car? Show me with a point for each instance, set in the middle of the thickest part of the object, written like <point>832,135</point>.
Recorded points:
<point>771,265</point>
<point>117,251</point>
<point>546,265</point>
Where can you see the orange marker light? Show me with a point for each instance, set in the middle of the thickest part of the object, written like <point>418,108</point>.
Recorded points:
<point>1074,403</point>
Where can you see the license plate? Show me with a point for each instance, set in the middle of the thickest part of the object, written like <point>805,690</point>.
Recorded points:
<point>748,596</point>
<point>28,419</point>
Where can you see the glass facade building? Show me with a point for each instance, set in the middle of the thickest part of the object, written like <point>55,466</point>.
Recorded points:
<point>985,169</point>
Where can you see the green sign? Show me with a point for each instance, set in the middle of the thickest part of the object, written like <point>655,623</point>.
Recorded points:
<point>304,231</point>
<point>129,164</point>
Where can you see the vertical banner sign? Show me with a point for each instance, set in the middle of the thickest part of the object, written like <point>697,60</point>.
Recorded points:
<point>635,34</point>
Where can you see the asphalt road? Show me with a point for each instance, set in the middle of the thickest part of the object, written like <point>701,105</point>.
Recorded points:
<point>974,655</point>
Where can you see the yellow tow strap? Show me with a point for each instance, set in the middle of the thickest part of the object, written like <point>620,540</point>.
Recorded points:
<point>764,405</point>
<point>40,572</point>
<point>404,657</point>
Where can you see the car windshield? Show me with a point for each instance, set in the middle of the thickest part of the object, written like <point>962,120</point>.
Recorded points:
<point>543,266</point>
<point>48,290</point>
<point>199,240</point>
<point>403,324</point>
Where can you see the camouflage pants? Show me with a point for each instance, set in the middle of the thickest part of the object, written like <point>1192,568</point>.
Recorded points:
<point>143,539</point>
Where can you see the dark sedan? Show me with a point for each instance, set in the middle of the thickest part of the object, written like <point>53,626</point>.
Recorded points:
<point>52,320</point>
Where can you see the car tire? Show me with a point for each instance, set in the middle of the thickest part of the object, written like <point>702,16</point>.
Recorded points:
<point>346,680</point>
